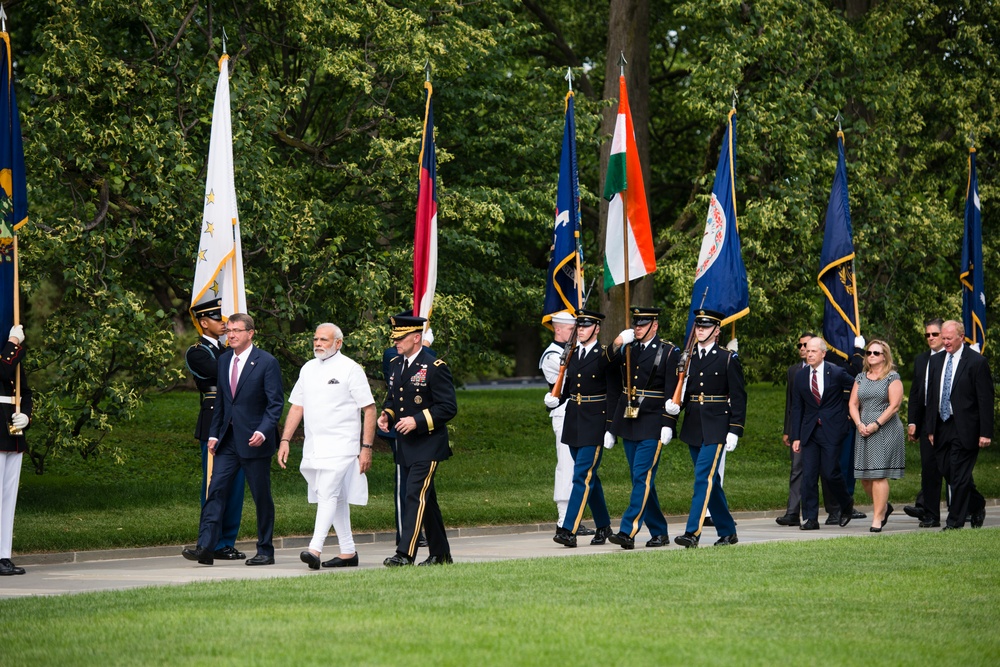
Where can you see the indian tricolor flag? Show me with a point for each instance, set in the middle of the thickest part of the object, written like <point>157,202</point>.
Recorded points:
<point>622,188</point>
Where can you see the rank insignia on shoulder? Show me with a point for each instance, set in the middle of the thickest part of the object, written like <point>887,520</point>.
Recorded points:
<point>440,362</point>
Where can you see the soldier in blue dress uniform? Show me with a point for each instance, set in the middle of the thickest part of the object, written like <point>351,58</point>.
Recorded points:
<point>715,406</point>
<point>639,420</point>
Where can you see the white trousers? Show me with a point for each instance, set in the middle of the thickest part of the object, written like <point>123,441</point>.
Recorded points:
<point>564,469</point>
<point>331,487</point>
<point>10,477</point>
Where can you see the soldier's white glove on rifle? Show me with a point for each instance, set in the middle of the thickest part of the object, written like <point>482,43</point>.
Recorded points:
<point>19,420</point>
<point>731,440</point>
<point>671,408</point>
<point>17,331</point>
<point>666,434</point>
<point>609,440</point>
<point>550,401</point>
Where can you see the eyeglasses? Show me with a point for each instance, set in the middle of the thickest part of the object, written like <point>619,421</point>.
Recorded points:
<point>232,331</point>
<point>873,353</point>
<point>932,334</point>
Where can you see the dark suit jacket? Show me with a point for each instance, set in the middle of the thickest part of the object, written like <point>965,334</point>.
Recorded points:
<point>202,359</point>
<point>12,364</point>
<point>971,397</point>
<point>710,421</point>
<point>426,392</point>
<point>915,411</point>
<point>257,405</point>
<point>646,376</point>
<point>832,409</point>
<point>789,388</point>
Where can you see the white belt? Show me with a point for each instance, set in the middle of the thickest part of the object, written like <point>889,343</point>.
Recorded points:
<point>7,399</point>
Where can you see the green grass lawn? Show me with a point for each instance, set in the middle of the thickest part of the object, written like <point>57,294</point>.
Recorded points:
<point>145,491</point>
<point>909,599</point>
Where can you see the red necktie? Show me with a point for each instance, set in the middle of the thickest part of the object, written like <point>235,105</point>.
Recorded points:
<point>234,376</point>
<point>815,389</point>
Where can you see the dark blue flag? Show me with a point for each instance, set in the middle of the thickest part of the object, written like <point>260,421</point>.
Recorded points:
<point>973,291</point>
<point>836,273</point>
<point>14,199</point>
<point>720,266</point>
<point>562,289</point>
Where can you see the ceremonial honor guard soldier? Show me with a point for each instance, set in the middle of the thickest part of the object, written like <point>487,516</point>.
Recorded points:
<point>588,417</point>
<point>202,360</point>
<point>649,375</point>
<point>16,418</point>
<point>715,405</point>
<point>420,402</point>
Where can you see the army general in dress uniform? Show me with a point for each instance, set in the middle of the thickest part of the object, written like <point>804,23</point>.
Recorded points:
<point>715,407</point>
<point>419,404</point>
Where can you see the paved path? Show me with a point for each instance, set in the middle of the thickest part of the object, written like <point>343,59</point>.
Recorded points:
<point>57,574</point>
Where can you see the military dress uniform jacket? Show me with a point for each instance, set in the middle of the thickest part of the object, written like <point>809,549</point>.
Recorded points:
<point>715,399</point>
<point>202,360</point>
<point>10,364</point>
<point>588,399</point>
<point>426,392</point>
<point>654,377</point>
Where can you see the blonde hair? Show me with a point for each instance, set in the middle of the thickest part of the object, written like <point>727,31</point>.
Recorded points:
<point>889,366</point>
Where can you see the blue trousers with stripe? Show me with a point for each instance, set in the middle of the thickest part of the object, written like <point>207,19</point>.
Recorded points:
<point>708,492</point>
<point>644,505</point>
<point>587,489</point>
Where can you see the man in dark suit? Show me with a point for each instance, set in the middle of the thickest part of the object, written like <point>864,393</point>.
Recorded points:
<point>715,409</point>
<point>929,513</point>
<point>791,517</point>
<point>959,422</point>
<point>819,422</point>
<point>202,360</point>
<point>243,435</point>
<point>641,423</point>
<point>419,403</point>
<point>588,418</point>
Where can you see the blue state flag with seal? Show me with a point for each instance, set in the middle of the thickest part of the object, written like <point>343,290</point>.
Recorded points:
<point>836,273</point>
<point>720,268</point>
<point>14,199</point>
<point>973,287</point>
<point>562,286</point>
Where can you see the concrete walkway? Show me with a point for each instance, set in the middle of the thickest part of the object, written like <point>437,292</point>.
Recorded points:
<point>58,574</point>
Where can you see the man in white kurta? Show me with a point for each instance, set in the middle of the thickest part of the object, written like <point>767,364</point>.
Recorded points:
<point>331,395</point>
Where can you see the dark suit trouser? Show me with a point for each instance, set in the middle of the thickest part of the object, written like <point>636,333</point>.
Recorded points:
<point>821,458</point>
<point>230,529</point>
<point>956,464</point>
<point>228,464</point>
<point>421,509</point>
<point>795,488</point>
<point>929,498</point>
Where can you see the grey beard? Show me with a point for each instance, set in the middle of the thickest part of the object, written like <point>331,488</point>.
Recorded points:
<point>324,355</point>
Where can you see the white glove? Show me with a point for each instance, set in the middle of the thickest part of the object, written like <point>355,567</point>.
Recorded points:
<point>859,341</point>
<point>550,401</point>
<point>428,337</point>
<point>17,331</point>
<point>609,440</point>
<point>671,408</point>
<point>733,346</point>
<point>731,440</point>
<point>19,420</point>
<point>666,434</point>
<point>627,336</point>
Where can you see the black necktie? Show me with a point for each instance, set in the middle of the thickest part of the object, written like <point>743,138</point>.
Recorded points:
<point>702,353</point>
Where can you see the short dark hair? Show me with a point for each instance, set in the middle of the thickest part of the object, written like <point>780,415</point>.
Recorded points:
<point>934,322</point>
<point>808,334</point>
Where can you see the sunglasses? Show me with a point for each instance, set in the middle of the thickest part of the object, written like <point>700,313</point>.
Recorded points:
<point>932,334</point>
<point>802,345</point>
<point>873,353</point>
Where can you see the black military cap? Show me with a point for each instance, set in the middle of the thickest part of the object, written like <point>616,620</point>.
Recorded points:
<point>405,323</point>
<point>707,318</point>
<point>588,317</point>
<point>212,309</point>
<point>644,315</point>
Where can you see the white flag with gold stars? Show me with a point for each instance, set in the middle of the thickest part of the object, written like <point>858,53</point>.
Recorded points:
<point>218,270</point>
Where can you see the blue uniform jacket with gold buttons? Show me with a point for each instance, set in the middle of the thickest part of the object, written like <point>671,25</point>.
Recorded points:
<point>202,359</point>
<point>424,391</point>
<point>715,399</point>
<point>11,363</point>
<point>652,384</point>
<point>588,401</point>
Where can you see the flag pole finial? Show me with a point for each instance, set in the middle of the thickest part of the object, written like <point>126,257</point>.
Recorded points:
<point>224,36</point>
<point>3,19</point>
<point>569,77</point>
<point>427,70</point>
<point>736,98</point>
<point>839,118</point>
<point>622,62</point>
<point>972,140</point>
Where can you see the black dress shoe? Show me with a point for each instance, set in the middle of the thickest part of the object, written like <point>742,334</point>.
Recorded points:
<point>585,531</point>
<point>810,524</point>
<point>726,539</point>
<point>888,511</point>
<point>564,537</point>
<point>261,559</point>
<point>8,569</point>
<point>397,560</point>
<point>310,559</point>
<point>229,553</point>
<point>622,540</point>
<point>929,522</point>
<point>915,512</point>
<point>658,541</point>
<point>687,540</point>
<point>846,514</point>
<point>787,520</point>
<point>337,561</point>
<point>200,554</point>
<point>601,535</point>
<point>857,514</point>
<point>948,526</point>
<point>708,522</point>
<point>437,560</point>
<point>832,519</point>
<point>978,517</point>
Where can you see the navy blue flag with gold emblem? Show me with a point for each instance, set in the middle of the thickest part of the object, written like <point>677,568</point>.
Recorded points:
<point>14,200</point>
<point>836,273</point>
<point>973,289</point>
